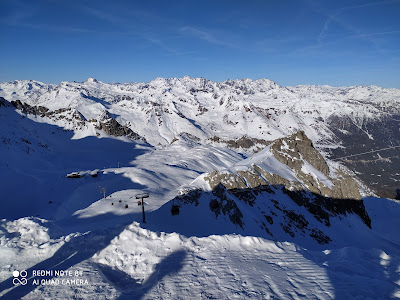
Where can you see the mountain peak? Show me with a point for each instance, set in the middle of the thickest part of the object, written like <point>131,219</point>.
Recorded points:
<point>91,79</point>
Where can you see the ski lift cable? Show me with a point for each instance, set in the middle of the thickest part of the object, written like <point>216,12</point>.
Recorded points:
<point>368,152</point>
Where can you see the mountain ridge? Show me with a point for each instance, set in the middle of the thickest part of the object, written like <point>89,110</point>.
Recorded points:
<point>242,114</point>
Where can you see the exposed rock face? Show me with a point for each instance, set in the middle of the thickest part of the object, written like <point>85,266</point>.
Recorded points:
<point>324,207</point>
<point>245,142</point>
<point>221,203</point>
<point>345,188</point>
<point>112,127</point>
<point>72,116</point>
<point>252,178</point>
<point>275,179</point>
<point>309,166</point>
<point>297,150</point>
<point>228,180</point>
<point>27,109</point>
<point>269,207</point>
<point>294,149</point>
<point>76,120</point>
<point>323,190</point>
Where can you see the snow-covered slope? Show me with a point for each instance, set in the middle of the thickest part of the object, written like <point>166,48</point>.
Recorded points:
<point>280,229</point>
<point>228,110</point>
<point>286,192</point>
<point>244,115</point>
<point>138,263</point>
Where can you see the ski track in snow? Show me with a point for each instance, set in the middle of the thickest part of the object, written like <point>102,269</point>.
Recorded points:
<point>141,264</point>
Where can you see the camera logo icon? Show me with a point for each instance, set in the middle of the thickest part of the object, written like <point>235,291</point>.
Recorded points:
<point>20,277</point>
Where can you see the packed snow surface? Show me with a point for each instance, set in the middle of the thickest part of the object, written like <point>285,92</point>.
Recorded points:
<point>136,263</point>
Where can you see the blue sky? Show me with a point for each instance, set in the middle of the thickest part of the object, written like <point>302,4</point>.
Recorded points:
<point>290,42</point>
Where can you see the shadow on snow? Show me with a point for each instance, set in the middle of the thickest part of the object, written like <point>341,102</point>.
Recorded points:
<point>38,156</point>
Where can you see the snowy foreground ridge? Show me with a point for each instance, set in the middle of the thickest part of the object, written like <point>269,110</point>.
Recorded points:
<point>261,208</point>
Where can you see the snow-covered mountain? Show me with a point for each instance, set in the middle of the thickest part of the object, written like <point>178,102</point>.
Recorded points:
<point>286,188</point>
<point>241,114</point>
<point>164,108</point>
<point>245,198</point>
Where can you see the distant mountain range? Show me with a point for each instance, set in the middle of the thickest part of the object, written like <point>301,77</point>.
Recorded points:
<point>244,115</point>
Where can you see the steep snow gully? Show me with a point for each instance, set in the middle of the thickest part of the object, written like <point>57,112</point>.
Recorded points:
<point>262,206</point>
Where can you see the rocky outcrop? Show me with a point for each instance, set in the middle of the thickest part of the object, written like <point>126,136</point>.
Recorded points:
<point>294,149</point>
<point>309,166</point>
<point>72,116</point>
<point>323,208</point>
<point>275,179</point>
<point>25,108</point>
<point>269,207</point>
<point>76,120</point>
<point>297,150</point>
<point>252,178</point>
<point>228,180</point>
<point>221,203</point>
<point>243,142</point>
<point>112,127</point>
<point>343,188</point>
<point>257,193</point>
